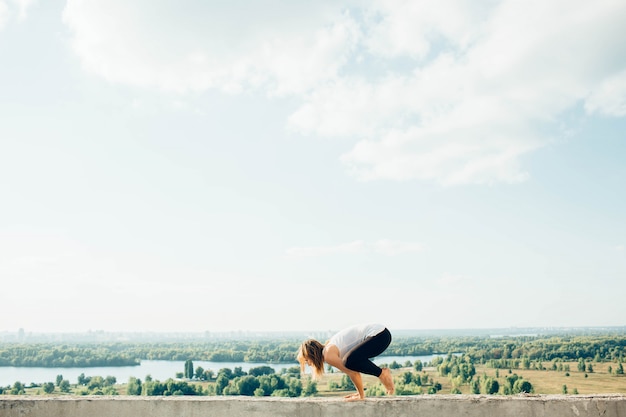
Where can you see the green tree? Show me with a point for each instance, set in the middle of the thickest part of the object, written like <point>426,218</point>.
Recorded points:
<point>150,388</point>
<point>64,386</point>
<point>188,369</point>
<point>281,393</point>
<point>407,377</point>
<point>59,379</point>
<point>227,373</point>
<point>95,383</point>
<point>311,389</point>
<point>521,385</point>
<point>475,387</point>
<point>294,387</point>
<point>490,386</point>
<point>48,387</point>
<point>83,380</point>
<point>134,386</point>
<point>110,391</point>
<point>238,371</point>
<point>510,382</point>
<point>261,370</point>
<point>18,388</point>
<point>270,383</point>
<point>221,383</point>
<point>246,385</point>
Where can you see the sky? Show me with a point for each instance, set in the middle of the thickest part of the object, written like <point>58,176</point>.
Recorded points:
<point>281,166</point>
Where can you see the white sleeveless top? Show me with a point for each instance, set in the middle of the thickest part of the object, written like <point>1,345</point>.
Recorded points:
<point>347,339</point>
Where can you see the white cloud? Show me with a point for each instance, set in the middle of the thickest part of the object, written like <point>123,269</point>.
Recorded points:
<point>450,155</point>
<point>609,98</point>
<point>384,247</point>
<point>405,27</point>
<point>470,114</point>
<point>456,93</point>
<point>228,46</point>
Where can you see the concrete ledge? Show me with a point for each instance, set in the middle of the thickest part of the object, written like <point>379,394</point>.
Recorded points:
<point>422,406</point>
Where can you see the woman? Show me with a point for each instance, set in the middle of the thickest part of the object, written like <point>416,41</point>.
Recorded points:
<point>350,351</point>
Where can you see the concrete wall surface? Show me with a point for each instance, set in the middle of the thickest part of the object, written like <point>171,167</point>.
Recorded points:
<point>422,406</point>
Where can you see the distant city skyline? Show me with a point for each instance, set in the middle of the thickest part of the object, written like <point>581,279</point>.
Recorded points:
<point>22,335</point>
<point>226,166</point>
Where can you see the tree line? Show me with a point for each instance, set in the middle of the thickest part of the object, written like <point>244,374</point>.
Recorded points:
<point>609,347</point>
<point>65,356</point>
<point>498,352</point>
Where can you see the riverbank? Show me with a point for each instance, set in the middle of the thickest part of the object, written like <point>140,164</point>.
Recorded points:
<point>160,370</point>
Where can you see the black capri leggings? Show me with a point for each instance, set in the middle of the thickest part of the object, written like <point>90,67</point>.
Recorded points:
<point>359,359</point>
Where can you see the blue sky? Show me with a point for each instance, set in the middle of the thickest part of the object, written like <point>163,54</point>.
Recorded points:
<point>287,165</point>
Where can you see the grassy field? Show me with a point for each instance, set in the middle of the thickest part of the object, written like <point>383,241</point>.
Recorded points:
<point>551,382</point>
<point>543,381</point>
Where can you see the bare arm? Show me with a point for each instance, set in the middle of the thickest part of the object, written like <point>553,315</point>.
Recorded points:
<point>331,356</point>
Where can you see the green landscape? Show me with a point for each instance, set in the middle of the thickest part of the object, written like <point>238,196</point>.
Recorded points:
<point>564,363</point>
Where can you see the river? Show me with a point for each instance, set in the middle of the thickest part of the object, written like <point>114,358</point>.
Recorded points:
<point>158,370</point>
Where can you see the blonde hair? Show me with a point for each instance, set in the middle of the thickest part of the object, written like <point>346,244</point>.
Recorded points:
<point>311,351</point>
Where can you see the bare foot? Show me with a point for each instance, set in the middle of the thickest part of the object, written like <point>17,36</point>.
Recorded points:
<point>353,397</point>
<point>387,380</point>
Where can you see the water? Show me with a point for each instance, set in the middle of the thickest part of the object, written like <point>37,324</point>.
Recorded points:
<point>160,370</point>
